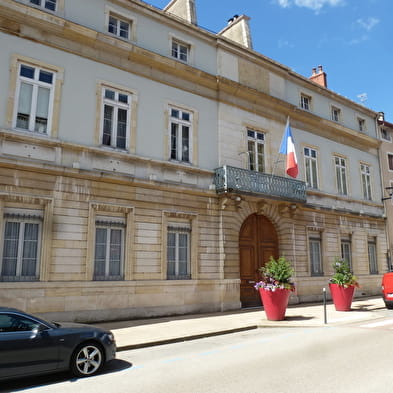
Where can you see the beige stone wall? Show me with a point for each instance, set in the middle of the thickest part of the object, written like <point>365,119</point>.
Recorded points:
<point>293,229</point>
<point>66,289</point>
<point>99,301</point>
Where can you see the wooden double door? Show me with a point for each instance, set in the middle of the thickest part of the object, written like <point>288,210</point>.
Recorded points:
<point>257,242</point>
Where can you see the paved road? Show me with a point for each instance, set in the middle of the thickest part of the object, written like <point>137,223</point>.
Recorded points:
<point>352,358</point>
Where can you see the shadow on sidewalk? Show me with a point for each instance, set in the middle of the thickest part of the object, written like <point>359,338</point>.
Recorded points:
<point>293,318</point>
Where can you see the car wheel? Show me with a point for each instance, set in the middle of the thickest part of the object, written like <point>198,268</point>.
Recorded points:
<point>87,359</point>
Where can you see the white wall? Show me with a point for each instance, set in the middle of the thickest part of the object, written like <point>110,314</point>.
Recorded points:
<point>151,33</point>
<point>232,141</point>
<point>78,101</point>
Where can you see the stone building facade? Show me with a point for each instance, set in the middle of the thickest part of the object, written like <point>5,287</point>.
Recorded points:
<point>386,159</point>
<point>139,165</point>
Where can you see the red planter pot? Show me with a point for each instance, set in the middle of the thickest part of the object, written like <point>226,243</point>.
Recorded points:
<point>342,297</point>
<point>275,303</point>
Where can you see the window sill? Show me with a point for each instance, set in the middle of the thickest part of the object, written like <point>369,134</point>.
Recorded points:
<point>177,278</point>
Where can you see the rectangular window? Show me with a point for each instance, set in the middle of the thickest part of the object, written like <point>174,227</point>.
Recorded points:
<point>119,27</point>
<point>256,150</point>
<point>116,118</point>
<point>180,135</point>
<point>109,250</point>
<point>361,124</point>
<point>385,134</point>
<point>390,161</point>
<point>336,114</point>
<point>46,4</point>
<point>178,253</point>
<point>305,102</point>
<point>311,166</point>
<point>21,248</point>
<point>315,256</point>
<point>34,99</point>
<point>180,51</point>
<point>366,181</point>
<point>372,257</point>
<point>346,251</point>
<point>341,175</point>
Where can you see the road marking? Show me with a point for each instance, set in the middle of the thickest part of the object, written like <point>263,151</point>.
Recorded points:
<point>380,323</point>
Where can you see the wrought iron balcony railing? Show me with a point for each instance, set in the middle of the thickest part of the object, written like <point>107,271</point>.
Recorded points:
<point>231,179</point>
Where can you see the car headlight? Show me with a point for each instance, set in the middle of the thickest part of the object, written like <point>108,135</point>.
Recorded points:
<point>111,337</point>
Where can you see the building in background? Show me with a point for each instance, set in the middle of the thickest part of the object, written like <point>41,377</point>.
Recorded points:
<point>140,172</point>
<point>386,158</point>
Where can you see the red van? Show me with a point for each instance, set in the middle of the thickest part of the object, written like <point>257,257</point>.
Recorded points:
<point>387,289</point>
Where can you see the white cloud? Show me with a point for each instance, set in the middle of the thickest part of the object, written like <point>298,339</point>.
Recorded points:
<point>315,5</point>
<point>359,40</point>
<point>284,44</point>
<point>284,3</point>
<point>368,24</point>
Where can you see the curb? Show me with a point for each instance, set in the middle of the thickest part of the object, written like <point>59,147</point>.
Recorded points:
<point>185,338</point>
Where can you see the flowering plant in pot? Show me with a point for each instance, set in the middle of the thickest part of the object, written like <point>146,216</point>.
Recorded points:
<point>342,285</point>
<point>275,287</point>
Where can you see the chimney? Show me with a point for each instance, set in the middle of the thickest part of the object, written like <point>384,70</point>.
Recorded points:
<point>319,76</point>
<point>238,30</point>
<point>184,9</point>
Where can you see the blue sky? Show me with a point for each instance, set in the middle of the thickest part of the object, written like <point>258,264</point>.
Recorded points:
<point>351,39</point>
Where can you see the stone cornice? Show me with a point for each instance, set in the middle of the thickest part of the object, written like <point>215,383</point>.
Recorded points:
<point>34,139</point>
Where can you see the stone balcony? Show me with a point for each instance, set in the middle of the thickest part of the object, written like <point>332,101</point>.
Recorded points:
<point>244,181</point>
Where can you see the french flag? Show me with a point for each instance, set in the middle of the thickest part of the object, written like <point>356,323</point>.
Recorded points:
<point>288,148</point>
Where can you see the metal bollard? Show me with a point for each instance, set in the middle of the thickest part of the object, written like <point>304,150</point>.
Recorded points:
<point>324,306</point>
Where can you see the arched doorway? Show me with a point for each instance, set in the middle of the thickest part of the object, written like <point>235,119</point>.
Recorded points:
<point>257,242</point>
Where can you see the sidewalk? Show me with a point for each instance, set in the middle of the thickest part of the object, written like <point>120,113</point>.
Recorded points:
<point>155,331</point>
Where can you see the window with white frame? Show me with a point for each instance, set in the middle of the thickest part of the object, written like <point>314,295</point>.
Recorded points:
<point>366,181</point>
<point>336,114</point>
<point>118,26</point>
<point>341,175</point>
<point>116,118</point>
<point>180,138</point>
<point>361,124</point>
<point>34,102</point>
<point>311,167</point>
<point>256,150</point>
<point>109,250</point>
<point>346,251</point>
<point>180,51</point>
<point>315,247</point>
<point>46,4</point>
<point>305,102</point>
<point>372,256</point>
<point>21,247</point>
<point>178,252</point>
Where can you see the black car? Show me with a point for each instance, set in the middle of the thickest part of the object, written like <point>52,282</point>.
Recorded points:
<point>30,345</point>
